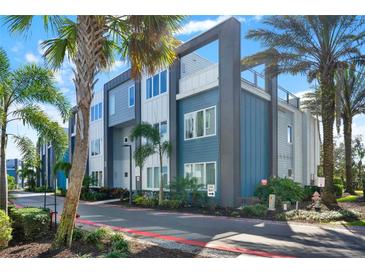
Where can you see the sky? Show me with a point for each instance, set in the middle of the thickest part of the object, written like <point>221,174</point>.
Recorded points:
<point>23,49</point>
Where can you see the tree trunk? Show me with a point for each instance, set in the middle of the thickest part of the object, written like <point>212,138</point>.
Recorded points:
<point>347,133</point>
<point>3,177</point>
<point>328,118</point>
<point>89,53</point>
<point>160,196</point>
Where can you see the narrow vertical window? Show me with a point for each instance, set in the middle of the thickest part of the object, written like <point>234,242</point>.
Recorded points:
<point>112,104</point>
<point>200,123</point>
<point>156,85</point>
<point>163,76</point>
<point>163,130</point>
<point>164,176</point>
<point>198,173</point>
<point>189,125</point>
<point>210,121</point>
<point>149,177</point>
<point>100,110</point>
<point>210,174</point>
<point>149,88</point>
<point>188,170</point>
<point>156,177</point>
<point>290,134</point>
<point>131,96</point>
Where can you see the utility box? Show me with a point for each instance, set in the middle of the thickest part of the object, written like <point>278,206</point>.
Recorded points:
<point>272,202</point>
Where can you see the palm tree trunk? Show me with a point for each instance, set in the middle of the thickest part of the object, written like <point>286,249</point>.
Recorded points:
<point>3,179</point>
<point>347,133</point>
<point>89,37</point>
<point>160,196</point>
<point>328,118</point>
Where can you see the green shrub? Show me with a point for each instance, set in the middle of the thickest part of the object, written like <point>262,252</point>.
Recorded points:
<point>325,216</point>
<point>173,204</point>
<point>98,235</point>
<point>338,186</point>
<point>79,234</point>
<point>30,223</point>
<point>258,210</point>
<point>145,201</point>
<point>116,254</point>
<point>188,191</point>
<point>5,229</point>
<point>284,189</point>
<point>92,196</point>
<point>11,183</point>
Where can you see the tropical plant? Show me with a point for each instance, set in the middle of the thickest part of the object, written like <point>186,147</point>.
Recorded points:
<point>91,43</point>
<point>315,46</point>
<point>62,166</point>
<point>140,156</point>
<point>359,148</point>
<point>350,102</point>
<point>155,143</point>
<point>21,93</point>
<point>11,183</point>
<point>187,190</point>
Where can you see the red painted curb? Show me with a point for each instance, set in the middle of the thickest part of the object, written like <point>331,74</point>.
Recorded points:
<point>186,241</point>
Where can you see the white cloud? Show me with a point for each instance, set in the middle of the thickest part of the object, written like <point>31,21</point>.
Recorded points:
<point>58,77</point>
<point>17,47</point>
<point>31,58</point>
<point>117,65</point>
<point>257,17</point>
<point>194,26</point>
<point>300,94</point>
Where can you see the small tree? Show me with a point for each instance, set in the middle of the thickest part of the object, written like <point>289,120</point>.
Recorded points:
<point>155,144</point>
<point>359,148</point>
<point>140,156</point>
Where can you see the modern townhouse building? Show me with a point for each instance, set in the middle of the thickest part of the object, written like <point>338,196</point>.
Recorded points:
<point>47,176</point>
<point>95,164</point>
<point>225,129</point>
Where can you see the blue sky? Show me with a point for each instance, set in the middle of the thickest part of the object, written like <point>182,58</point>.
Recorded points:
<point>22,50</point>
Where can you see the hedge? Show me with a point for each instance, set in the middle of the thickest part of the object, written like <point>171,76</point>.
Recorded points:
<point>5,229</point>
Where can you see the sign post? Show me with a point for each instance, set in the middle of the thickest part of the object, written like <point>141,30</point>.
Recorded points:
<point>211,190</point>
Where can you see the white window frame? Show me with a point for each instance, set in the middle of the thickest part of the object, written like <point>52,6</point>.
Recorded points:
<point>290,142</point>
<point>92,146</point>
<point>129,96</point>
<point>112,107</point>
<point>204,171</point>
<point>153,176</point>
<point>194,113</point>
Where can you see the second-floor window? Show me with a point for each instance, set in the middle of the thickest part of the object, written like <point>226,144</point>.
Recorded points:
<point>201,123</point>
<point>290,134</point>
<point>96,112</point>
<point>131,96</point>
<point>156,85</point>
<point>95,147</point>
<point>112,104</point>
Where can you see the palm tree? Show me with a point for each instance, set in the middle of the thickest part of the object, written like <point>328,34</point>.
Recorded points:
<point>314,46</point>
<point>140,156</point>
<point>155,144</point>
<point>21,93</point>
<point>62,166</point>
<point>91,43</point>
<point>359,149</point>
<point>351,102</point>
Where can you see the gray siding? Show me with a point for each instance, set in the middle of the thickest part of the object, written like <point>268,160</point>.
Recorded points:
<point>123,113</point>
<point>254,142</point>
<point>193,62</point>
<point>285,150</point>
<point>197,150</point>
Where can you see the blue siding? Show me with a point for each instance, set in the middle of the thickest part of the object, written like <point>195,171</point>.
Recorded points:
<point>254,142</point>
<point>61,177</point>
<point>197,150</point>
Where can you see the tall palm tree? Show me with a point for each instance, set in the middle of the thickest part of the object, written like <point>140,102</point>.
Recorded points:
<point>351,102</point>
<point>91,43</point>
<point>21,93</point>
<point>314,46</point>
<point>154,144</point>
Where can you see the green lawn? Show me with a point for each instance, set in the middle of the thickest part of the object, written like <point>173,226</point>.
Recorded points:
<point>348,199</point>
<point>356,223</point>
<point>358,192</point>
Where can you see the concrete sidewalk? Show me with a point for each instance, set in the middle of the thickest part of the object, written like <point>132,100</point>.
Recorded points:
<point>243,236</point>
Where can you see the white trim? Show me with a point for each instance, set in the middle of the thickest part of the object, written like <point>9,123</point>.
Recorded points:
<point>129,94</point>
<point>204,123</point>
<point>204,171</point>
<point>153,188</point>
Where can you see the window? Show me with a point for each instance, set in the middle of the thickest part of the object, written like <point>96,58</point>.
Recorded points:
<point>290,134</point>
<point>100,110</point>
<point>149,177</point>
<point>131,96</point>
<point>97,177</point>
<point>200,123</point>
<point>148,88</point>
<point>163,79</point>
<point>154,177</point>
<point>163,130</point>
<point>156,85</point>
<point>112,104</point>
<point>95,147</point>
<point>290,172</point>
<point>96,112</point>
<point>205,173</point>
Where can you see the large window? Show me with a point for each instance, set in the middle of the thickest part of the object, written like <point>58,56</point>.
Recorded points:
<point>156,84</point>
<point>96,112</point>
<point>97,178</point>
<point>154,176</point>
<point>112,104</point>
<point>290,134</point>
<point>201,123</point>
<point>95,147</point>
<point>131,96</point>
<point>163,130</point>
<point>205,173</point>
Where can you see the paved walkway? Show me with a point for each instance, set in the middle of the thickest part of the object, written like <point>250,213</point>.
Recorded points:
<point>245,236</point>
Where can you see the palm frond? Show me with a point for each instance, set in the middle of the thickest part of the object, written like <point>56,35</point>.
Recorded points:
<point>141,154</point>
<point>27,149</point>
<point>4,65</point>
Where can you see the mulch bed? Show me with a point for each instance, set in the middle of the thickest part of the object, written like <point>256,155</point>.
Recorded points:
<point>42,249</point>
